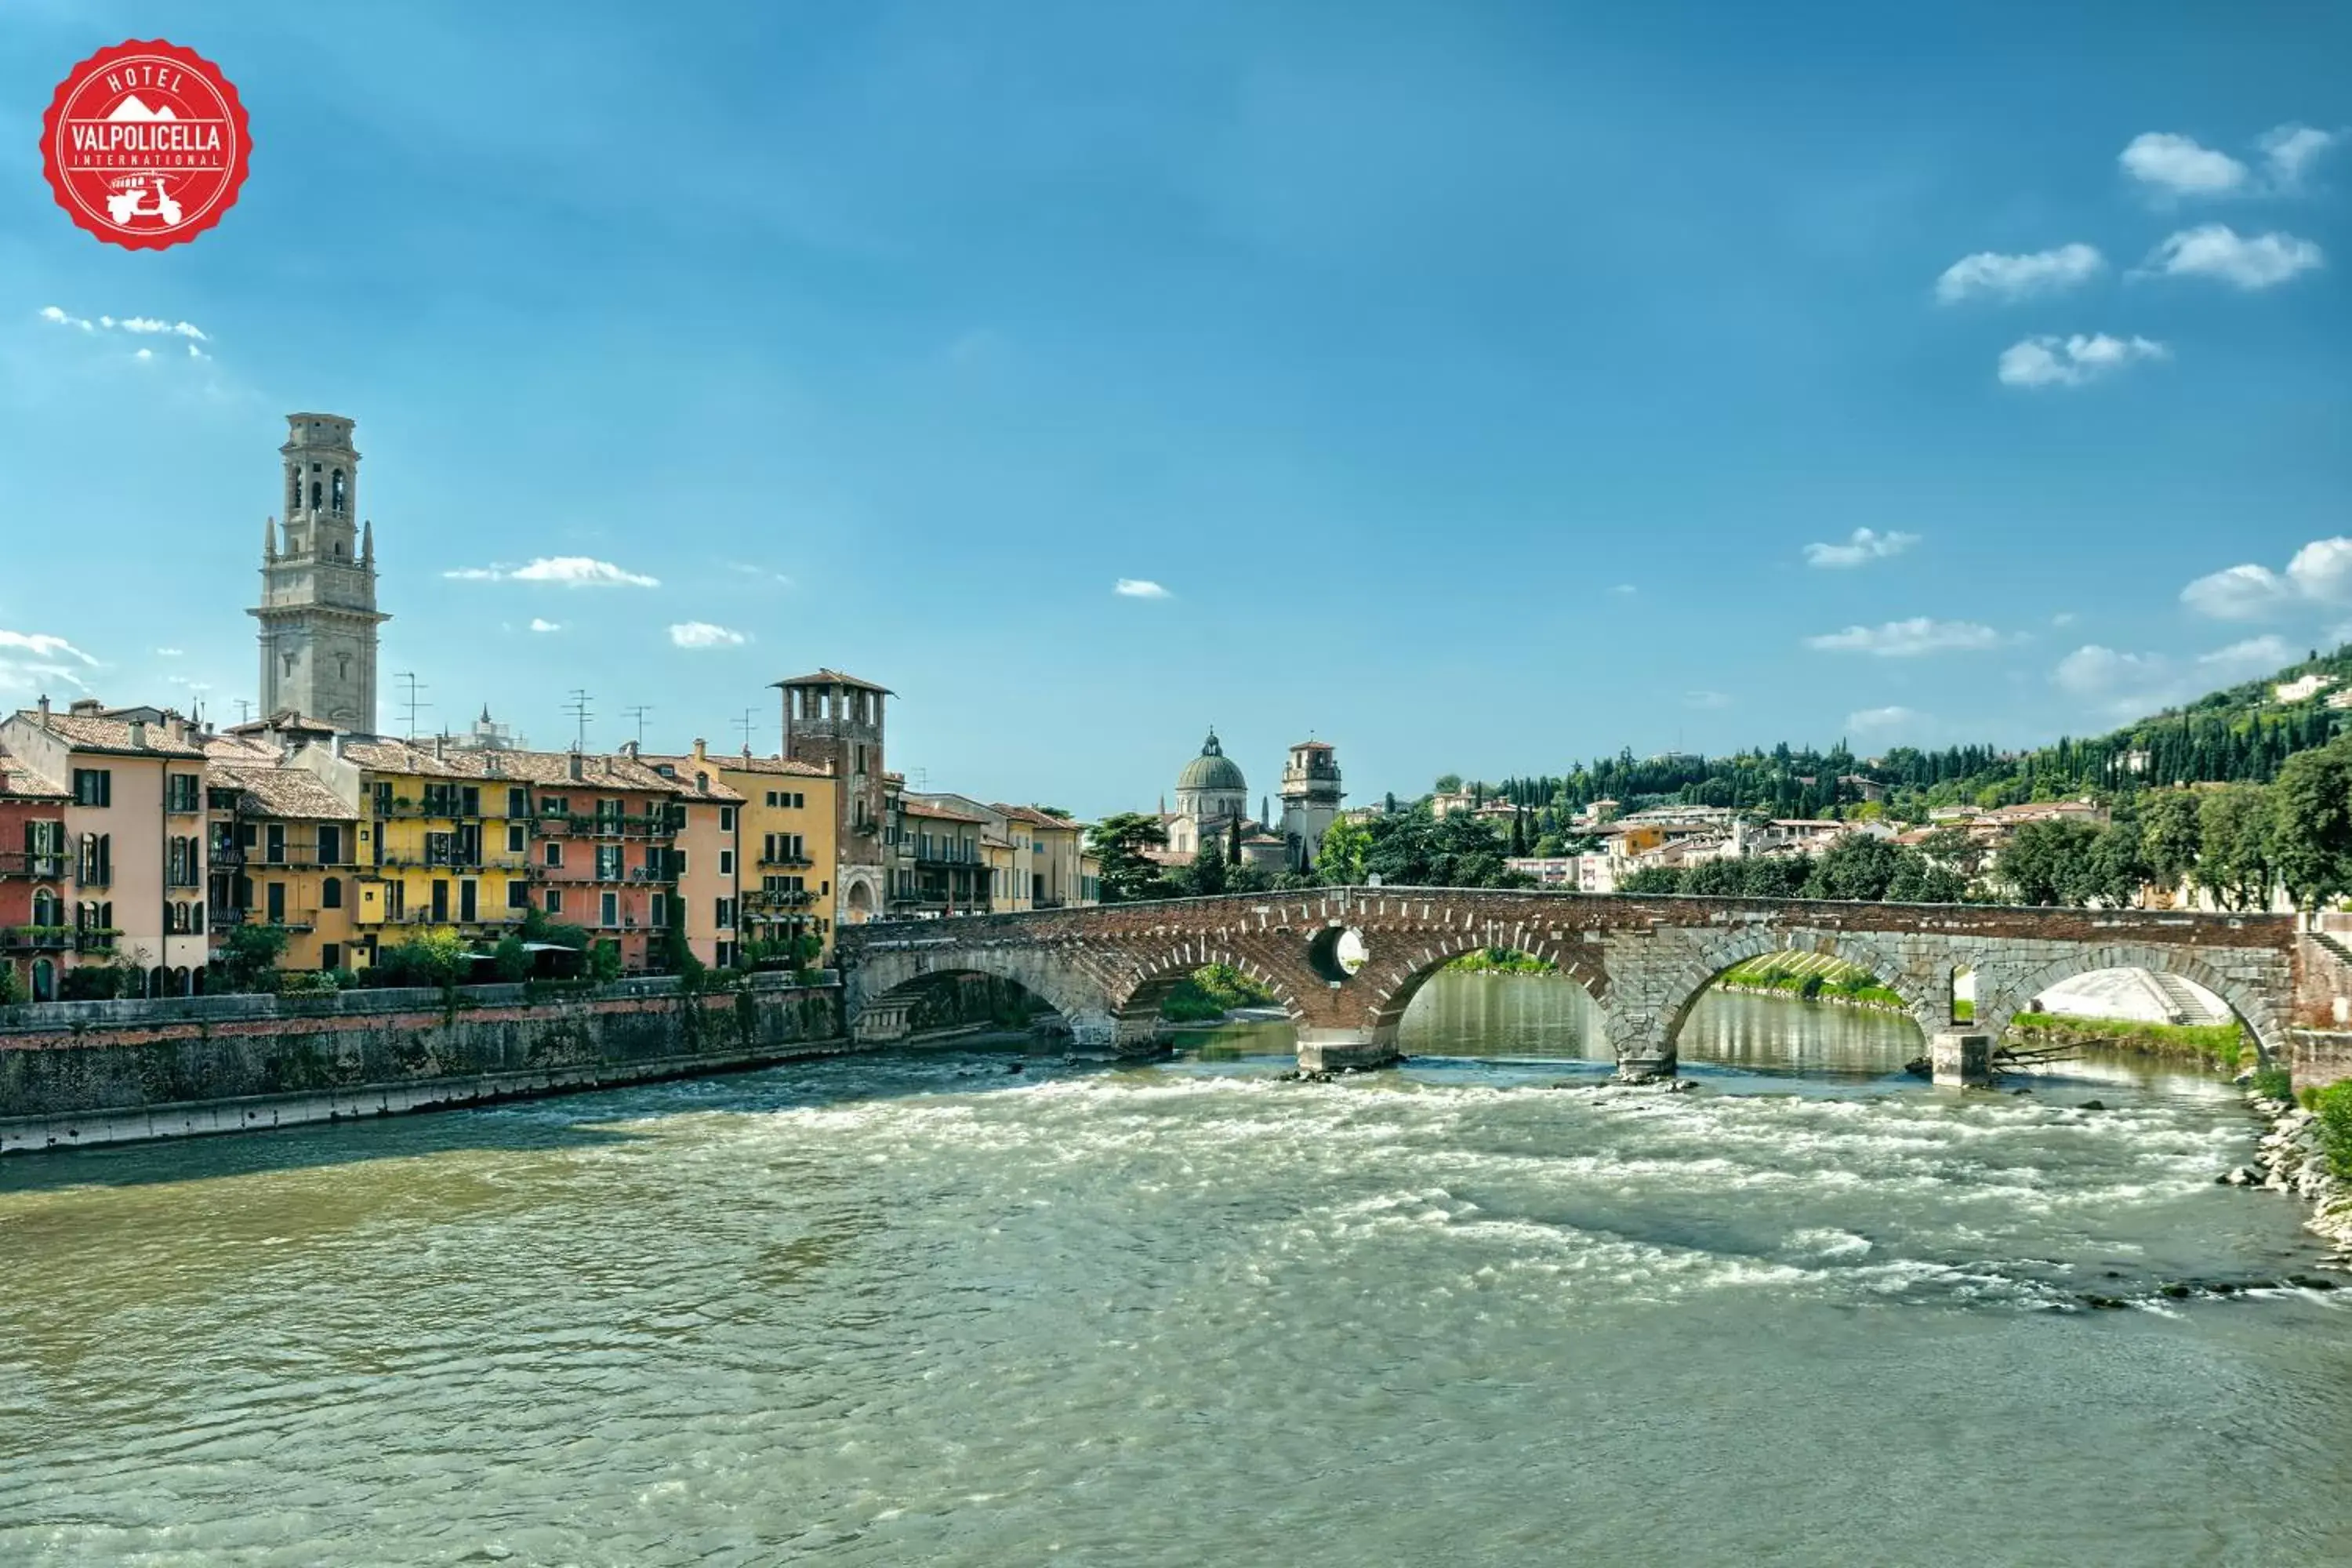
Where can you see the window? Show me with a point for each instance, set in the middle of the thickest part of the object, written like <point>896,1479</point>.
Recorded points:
<point>276,852</point>
<point>469,902</point>
<point>656,860</point>
<point>440,848</point>
<point>608,862</point>
<point>515,835</point>
<point>181,791</point>
<point>335,490</point>
<point>331,956</point>
<point>93,786</point>
<point>518,895</point>
<point>775,797</point>
<point>727,862</point>
<point>658,911</point>
<point>555,805</point>
<point>608,909</point>
<point>678,862</point>
<point>380,790</point>
<point>554,901</point>
<point>726,819</point>
<point>517,805</point>
<point>274,898</point>
<point>331,844</point>
<point>95,862</point>
<point>396,901</point>
<point>724,914</point>
<point>330,893</point>
<point>554,853</point>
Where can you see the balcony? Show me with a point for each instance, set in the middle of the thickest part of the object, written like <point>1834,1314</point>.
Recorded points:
<point>95,939</point>
<point>36,938</point>
<point>777,898</point>
<point>225,852</point>
<point>790,862</point>
<point>224,917</point>
<point>39,868</point>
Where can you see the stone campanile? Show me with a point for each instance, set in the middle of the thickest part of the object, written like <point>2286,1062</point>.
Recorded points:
<point>833,722</point>
<point>1310,799</point>
<point>318,611</point>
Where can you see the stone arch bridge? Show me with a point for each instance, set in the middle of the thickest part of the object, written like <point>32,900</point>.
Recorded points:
<point>1105,969</point>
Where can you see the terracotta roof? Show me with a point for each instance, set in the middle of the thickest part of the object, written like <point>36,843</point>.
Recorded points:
<point>18,782</point>
<point>829,676</point>
<point>1311,746</point>
<point>685,771</point>
<point>549,769</point>
<point>1032,815</point>
<point>917,807</point>
<point>736,762</point>
<point>86,733</point>
<point>284,791</point>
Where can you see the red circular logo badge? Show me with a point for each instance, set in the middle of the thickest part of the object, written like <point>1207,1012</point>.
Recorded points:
<point>145,144</point>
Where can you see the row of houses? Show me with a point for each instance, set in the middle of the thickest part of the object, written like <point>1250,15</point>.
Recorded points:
<point>132,836</point>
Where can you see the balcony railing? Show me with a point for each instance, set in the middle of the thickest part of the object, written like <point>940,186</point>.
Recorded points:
<point>41,868</point>
<point>787,860</point>
<point>224,917</point>
<point>777,898</point>
<point>95,939</point>
<point>36,938</point>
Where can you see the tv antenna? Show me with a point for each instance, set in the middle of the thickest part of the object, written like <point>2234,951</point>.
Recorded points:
<point>638,714</point>
<point>747,724</point>
<point>244,710</point>
<point>578,708</point>
<point>411,699</point>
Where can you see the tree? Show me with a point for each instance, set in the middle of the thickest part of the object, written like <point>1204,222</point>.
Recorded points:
<point>1449,784</point>
<point>1718,877</point>
<point>2234,851</point>
<point>12,989</point>
<point>247,959</point>
<point>1652,879</point>
<point>1051,811</point>
<point>1206,875</point>
<point>2311,824</point>
<point>1233,843</point>
<point>2170,834</point>
<point>1920,880</point>
<point>435,957</point>
<point>509,961</point>
<point>603,962</point>
<point>1341,860</point>
<point>1123,841</point>
<point>1858,866</point>
<point>1774,876</point>
<point>2118,864</point>
<point>2049,863</point>
<point>1518,833</point>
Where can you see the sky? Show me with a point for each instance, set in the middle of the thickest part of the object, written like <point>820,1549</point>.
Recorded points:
<point>1478,388</point>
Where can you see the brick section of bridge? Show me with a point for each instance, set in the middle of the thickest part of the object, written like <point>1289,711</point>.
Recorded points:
<point>1644,960</point>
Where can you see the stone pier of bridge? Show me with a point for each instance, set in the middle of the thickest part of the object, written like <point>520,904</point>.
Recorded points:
<point>1644,961</point>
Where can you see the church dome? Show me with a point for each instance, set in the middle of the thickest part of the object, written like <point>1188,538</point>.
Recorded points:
<point>1211,770</point>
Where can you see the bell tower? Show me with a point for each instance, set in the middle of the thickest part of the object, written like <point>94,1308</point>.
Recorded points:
<point>318,611</point>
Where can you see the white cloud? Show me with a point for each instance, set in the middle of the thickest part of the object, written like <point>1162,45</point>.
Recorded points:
<point>41,645</point>
<point>1865,544</point>
<point>2128,685</point>
<point>2320,573</point>
<point>47,666</point>
<point>2018,276</point>
<point>2063,618</point>
<point>1706,699</point>
<point>167,653</point>
<point>2289,150</point>
<point>1624,590</point>
<point>1881,718</point>
<point>702,634</point>
<point>2217,251</point>
<point>565,571</point>
<point>1908,639</point>
<point>139,325</point>
<point>2179,165</point>
<point>2053,360</point>
<point>1139,588</point>
<point>538,625</point>
<point>747,569</point>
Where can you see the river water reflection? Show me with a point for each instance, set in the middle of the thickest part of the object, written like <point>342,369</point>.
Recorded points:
<point>919,1308</point>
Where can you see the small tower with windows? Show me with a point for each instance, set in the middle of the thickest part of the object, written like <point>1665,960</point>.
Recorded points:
<point>1310,799</point>
<point>318,611</point>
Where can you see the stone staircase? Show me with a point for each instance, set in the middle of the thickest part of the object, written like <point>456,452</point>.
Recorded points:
<point>2181,1003</point>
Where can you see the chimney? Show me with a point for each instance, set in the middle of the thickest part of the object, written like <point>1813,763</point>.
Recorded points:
<point>138,734</point>
<point>335,745</point>
<point>575,768</point>
<point>439,748</point>
<point>44,710</point>
<point>701,752</point>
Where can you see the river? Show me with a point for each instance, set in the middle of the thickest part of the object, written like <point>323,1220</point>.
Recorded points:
<point>919,1308</point>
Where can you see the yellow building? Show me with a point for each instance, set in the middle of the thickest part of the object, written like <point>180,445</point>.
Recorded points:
<point>285,852</point>
<point>444,837</point>
<point>788,856</point>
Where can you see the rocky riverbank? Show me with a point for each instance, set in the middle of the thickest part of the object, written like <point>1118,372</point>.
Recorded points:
<point>2291,1160</point>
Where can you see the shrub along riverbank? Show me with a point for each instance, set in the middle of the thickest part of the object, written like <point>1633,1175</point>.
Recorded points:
<point>1208,994</point>
<point>2222,1045</point>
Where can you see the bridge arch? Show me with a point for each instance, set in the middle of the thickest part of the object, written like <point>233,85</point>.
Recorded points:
<point>1067,987</point>
<point>1398,978</point>
<point>1160,972</point>
<point>2010,992</point>
<point>1690,981</point>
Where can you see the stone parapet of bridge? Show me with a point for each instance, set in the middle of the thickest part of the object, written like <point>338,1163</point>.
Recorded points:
<point>1105,969</point>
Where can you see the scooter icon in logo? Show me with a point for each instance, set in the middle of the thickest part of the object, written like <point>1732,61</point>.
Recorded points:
<point>124,200</point>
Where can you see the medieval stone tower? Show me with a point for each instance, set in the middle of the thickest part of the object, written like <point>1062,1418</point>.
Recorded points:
<point>833,722</point>
<point>318,611</point>
<point>1310,799</point>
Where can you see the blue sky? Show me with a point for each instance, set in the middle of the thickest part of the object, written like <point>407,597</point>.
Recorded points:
<point>1471,380</point>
